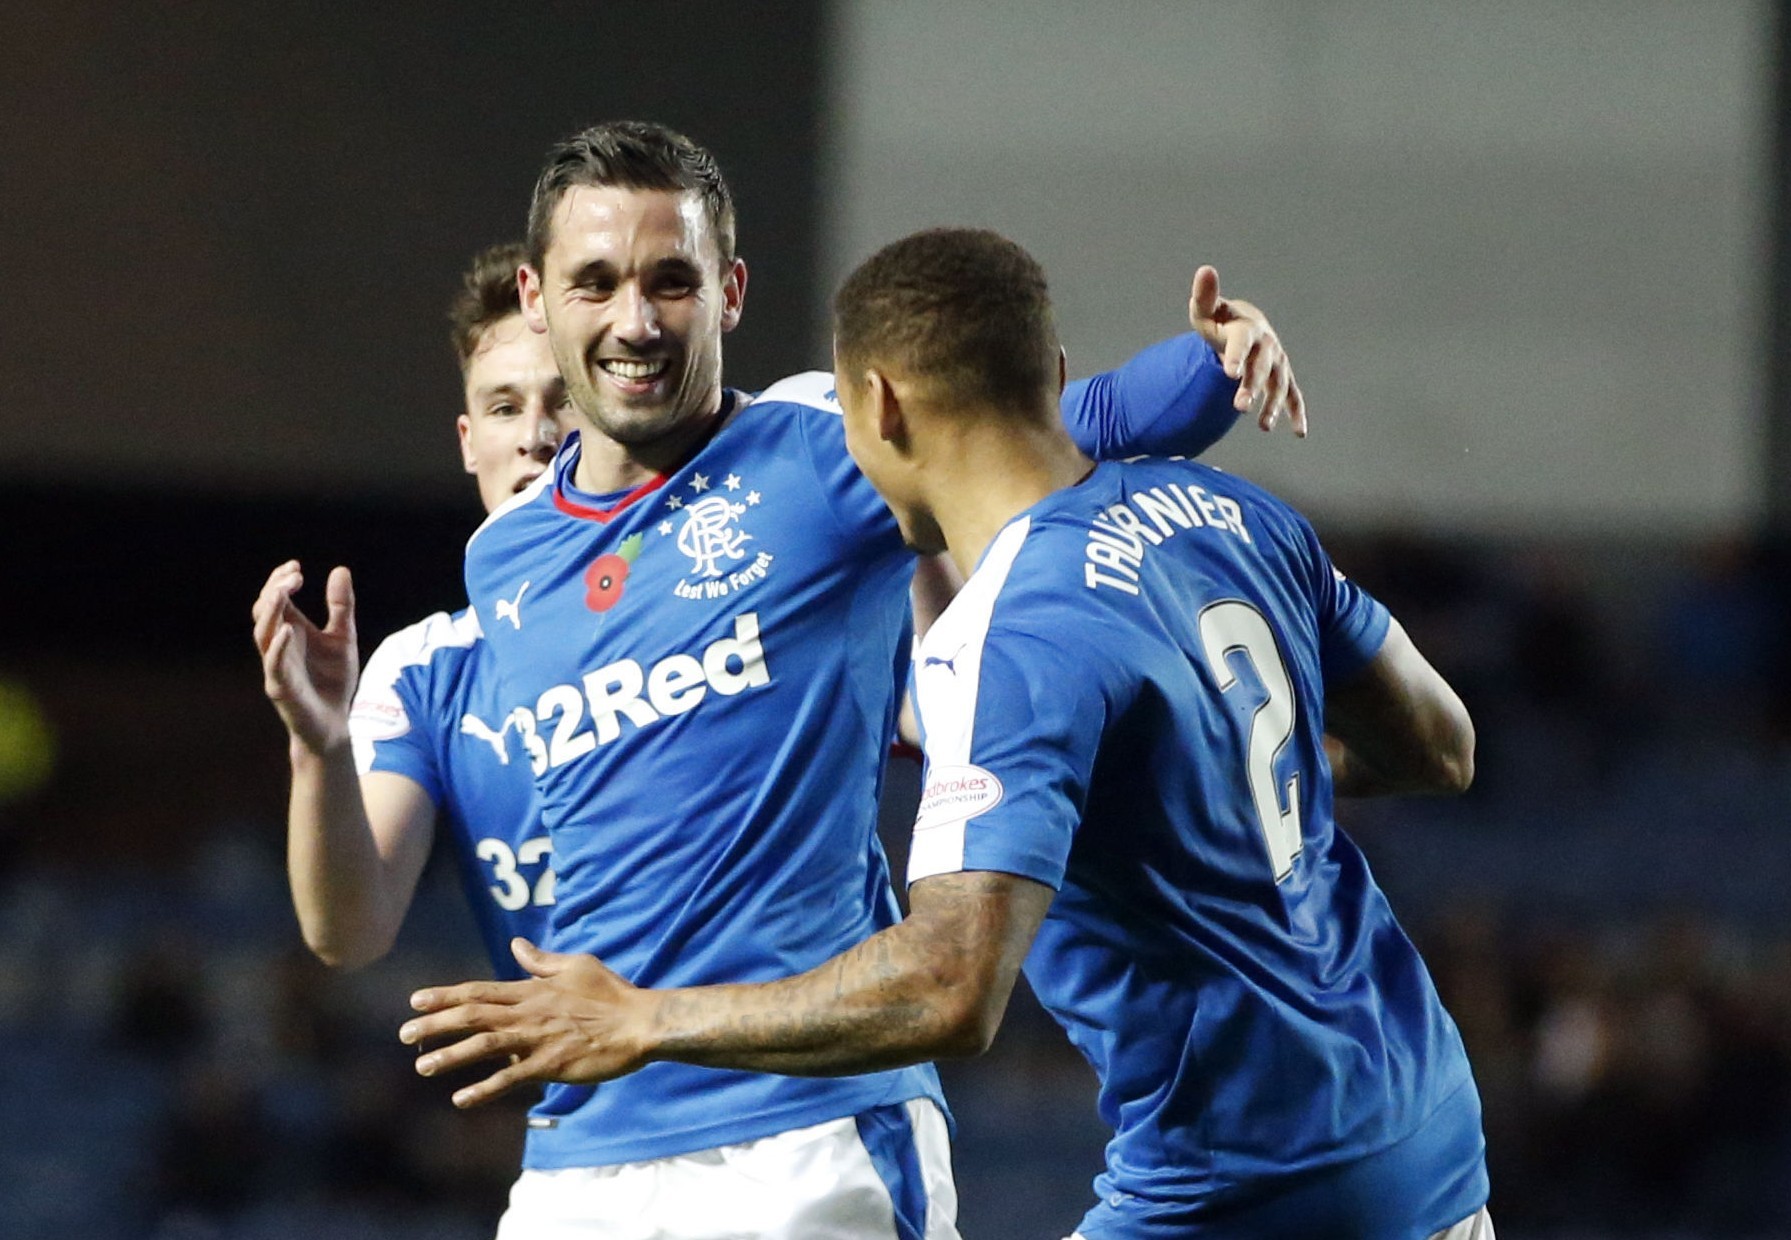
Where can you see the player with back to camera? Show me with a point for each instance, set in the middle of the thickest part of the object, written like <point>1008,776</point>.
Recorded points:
<point>706,615</point>
<point>1125,712</point>
<point>381,755</point>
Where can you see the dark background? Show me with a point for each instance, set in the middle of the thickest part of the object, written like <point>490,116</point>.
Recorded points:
<point>232,235</point>
<point>232,229</point>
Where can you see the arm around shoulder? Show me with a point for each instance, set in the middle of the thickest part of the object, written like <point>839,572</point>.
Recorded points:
<point>1397,726</point>
<point>933,986</point>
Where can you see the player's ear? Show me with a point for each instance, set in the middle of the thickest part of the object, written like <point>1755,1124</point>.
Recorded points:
<point>886,404</point>
<point>528,293</point>
<point>733,294</point>
<point>1063,370</point>
<point>463,426</point>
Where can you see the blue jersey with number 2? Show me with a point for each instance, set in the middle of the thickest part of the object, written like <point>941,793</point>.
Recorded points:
<point>1126,703</point>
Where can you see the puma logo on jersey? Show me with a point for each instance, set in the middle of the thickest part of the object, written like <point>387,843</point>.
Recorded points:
<point>511,609</point>
<point>949,664</point>
<point>478,729</point>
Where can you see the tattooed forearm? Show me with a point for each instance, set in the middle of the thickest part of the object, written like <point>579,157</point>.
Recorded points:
<point>933,986</point>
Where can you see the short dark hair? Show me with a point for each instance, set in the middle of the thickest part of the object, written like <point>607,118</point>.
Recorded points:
<point>630,155</point>
<point>964,308</point>
<point>487,295</point>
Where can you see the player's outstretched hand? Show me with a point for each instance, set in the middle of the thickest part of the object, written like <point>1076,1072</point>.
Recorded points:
<point>307,672</point>
<point>572,1020</point>
<point>1250,351</point>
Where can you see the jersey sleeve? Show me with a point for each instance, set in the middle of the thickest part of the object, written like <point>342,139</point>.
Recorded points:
<point>1352,623</point>
<point>389,722</point>
<point>1172,399</point>
<point>856,507</point>
<point>849,494</point>
<point>1012,725</point>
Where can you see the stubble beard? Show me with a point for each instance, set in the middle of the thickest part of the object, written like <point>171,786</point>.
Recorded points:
<point>645,424</point>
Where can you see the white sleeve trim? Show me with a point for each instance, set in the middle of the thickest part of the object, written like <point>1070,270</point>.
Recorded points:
<point>947,676</point>
<point>813,388</point>
<point>378,713</point>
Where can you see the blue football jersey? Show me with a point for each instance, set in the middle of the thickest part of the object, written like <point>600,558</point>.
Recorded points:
<point>704,670</point>
<point>427,708</point>
<point>1126,702</point>
<point>705,666</point>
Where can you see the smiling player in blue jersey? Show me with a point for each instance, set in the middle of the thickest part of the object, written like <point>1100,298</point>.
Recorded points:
<point>383,754</point>
<point>1125,713</point>
<point>704,615</point>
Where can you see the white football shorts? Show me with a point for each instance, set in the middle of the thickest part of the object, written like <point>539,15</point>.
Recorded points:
<point>1476,1226</point>
<point>881,1175</point>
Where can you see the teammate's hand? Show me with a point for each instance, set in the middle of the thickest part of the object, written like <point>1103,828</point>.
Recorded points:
<point>307,672</point>
<point>1250,351</point>
<point>572,1020</point>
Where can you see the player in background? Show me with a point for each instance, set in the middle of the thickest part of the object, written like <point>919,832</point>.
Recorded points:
<point>381,755</point>
<point>1125,713</point>
<point>704,616</point>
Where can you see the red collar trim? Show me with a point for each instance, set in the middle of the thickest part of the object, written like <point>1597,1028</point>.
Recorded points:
<point>573,508</point>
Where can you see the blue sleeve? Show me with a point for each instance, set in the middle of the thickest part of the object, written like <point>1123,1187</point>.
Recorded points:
<point>1012,730</point>
<point>390,725</point>
<point>1173,399</point>
<point>854,502</point>
<point>1352,623</point>
<point>858,511</point>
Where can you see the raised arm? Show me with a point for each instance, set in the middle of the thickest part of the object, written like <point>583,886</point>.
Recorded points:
<point>1397,726</point>
<point>1183,395</point>
<point>355,846</point>
<point>934,986</point>
<point>1175,398</point>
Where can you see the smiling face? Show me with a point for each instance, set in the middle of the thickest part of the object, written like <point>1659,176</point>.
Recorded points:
<point>633,296</point>
<point>515,401</point>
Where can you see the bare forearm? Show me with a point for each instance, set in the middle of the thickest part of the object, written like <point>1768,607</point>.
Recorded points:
<point>342,886</point>
<point>1431,755</point>
<point>1398,727</point>
<point>1352,776</point>
<point>877,1006</point>
<point>933,987</point>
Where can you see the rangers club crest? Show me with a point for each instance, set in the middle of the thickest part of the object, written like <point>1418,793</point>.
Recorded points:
<point>710,536</point>
<point>708,531</point>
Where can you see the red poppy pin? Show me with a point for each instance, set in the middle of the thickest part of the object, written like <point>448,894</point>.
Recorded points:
<point>608,573</point>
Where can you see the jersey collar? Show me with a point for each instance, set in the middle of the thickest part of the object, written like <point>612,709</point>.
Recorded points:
<point>566,462</point>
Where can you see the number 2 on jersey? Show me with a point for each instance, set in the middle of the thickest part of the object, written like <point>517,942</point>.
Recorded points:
<point>1236,625</point>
